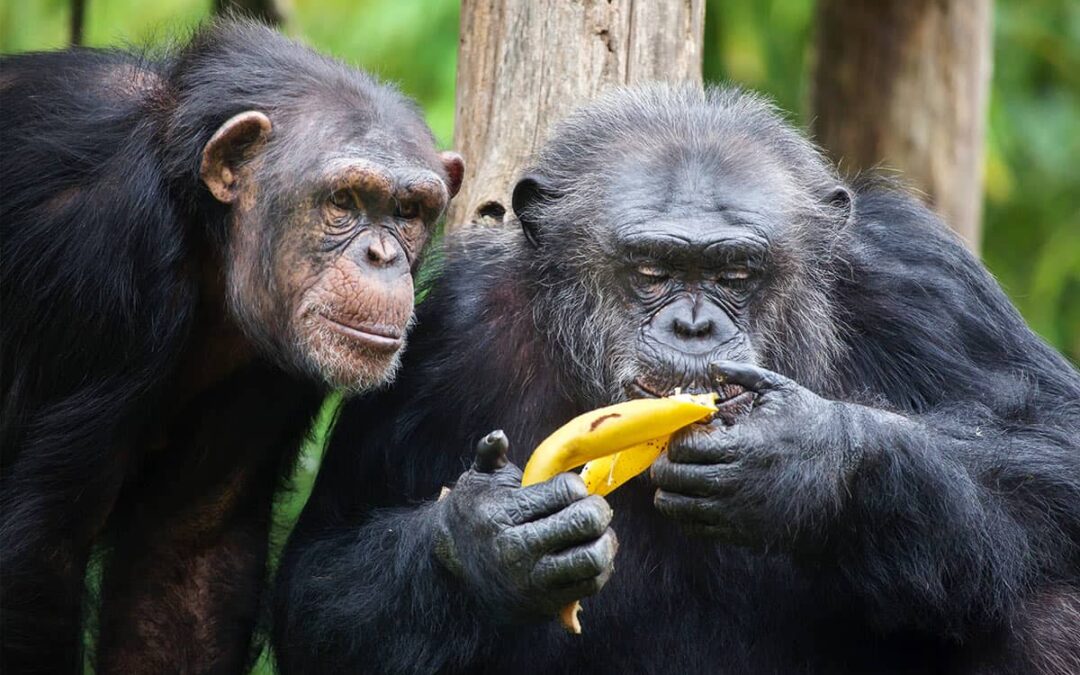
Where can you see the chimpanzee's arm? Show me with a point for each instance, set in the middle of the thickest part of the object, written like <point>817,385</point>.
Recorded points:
<point>94,316</point>
<point>373,599</point>
<point>184,582</point>
<point>382,575</point>
<point>955,517</point>
<point>359,587</point>
<point>967,499</point>
<point>952,493</point>
<point>449,574</point>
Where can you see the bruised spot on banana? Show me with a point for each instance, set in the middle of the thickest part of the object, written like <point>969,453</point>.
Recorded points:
<point>615,443</point>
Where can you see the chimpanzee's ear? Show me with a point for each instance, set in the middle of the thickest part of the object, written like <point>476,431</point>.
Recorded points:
<point>454,166</point>
<point>529,191</point>
<point>839,198</point>
<point>235,141</point>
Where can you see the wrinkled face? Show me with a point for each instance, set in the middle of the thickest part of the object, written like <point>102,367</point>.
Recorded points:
<point>323,251</point>
<point>690,262</point>
<point>351,249</point>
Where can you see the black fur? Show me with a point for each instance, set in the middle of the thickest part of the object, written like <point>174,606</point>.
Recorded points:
<point>958,551</point>
<point>111,245</point>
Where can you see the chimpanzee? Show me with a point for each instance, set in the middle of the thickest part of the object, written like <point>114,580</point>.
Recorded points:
<point>196,247</point>
<point>892,484</point>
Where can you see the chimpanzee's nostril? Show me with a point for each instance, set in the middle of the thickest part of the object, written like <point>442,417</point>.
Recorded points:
<point>381,253</point>
<point>695,328</point>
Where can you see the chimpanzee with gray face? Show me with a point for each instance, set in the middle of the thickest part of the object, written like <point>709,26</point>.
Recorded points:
<point>196,248</point>
<point>892,484</point>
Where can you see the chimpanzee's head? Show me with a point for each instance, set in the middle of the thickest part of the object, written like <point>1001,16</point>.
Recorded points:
<point>671,228</point>
<point>331,186</point>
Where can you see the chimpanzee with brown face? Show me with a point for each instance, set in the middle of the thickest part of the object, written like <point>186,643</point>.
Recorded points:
<point>195,249</point>
<point>892,484</point>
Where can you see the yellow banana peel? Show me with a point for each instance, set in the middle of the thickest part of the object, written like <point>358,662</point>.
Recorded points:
<point>608,430</point>
<point>615,443</point>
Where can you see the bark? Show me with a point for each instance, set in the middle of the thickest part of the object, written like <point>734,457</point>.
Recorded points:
<point>78,21</point>
<point>904,84</point>
<point>522,64</point>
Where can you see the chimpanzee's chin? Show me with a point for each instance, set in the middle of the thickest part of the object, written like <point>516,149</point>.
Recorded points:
<point>361,376</point>
<point>348,365</point>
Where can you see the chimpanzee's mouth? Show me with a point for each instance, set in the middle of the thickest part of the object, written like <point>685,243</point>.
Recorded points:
<point>733,402</point>
<point>379,339</point>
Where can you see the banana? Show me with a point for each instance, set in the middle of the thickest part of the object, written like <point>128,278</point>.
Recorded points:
<point>615,443</point>
<point>603,475</point>
<point>608,430</point>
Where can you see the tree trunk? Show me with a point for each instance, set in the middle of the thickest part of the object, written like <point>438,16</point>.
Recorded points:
<point>269,12</point>
<point>78,20</point>
<point>904,84</point>
<point>522,64</point>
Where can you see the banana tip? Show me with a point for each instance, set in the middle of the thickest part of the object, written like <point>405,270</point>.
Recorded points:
<point>569,618</point>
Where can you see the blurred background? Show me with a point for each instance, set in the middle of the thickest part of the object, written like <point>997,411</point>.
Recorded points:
<point>1031,215</point>
<point>1031,235</point>
<point>1031,228</point>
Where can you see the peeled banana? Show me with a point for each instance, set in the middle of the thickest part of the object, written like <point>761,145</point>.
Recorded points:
<point>615,443</point>
<point>603,475</point>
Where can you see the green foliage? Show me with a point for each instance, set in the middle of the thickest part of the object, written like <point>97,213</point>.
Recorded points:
<point>1032,223</point>
<point>1031,237</point>
<point>1032,208</point>
<point>412,43</point>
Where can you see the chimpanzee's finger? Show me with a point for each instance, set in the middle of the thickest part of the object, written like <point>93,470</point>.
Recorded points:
<point>709,445</point>
<point>702,480</point>
<point>581,522</point>
<point>543,499</point>
<point>702,510</point>
<point>577,564</point>
<point>746,375</point>
<point>581,589</point>
<point>491,452</point>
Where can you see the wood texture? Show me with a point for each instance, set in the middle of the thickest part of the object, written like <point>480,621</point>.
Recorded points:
<point>522,64</point>
<point>78,20</point>
<point>904,84</point>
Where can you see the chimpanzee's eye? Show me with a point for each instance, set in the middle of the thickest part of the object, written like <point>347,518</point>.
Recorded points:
<point>408,210</point>
<point>651,272</point>
<point>735,274</point>
<point>343,199</point>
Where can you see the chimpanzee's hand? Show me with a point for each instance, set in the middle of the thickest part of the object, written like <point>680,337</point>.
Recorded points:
<point>777,477</point>
<point>523,552</point>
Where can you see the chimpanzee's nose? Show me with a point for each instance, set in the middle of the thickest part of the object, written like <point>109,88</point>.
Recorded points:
<point>692,326</point>
<point>382,251</point>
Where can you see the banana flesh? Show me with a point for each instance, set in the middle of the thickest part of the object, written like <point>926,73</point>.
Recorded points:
<point>603,475</point>
<point>615,443</point>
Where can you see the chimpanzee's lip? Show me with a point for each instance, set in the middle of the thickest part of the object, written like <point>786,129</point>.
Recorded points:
<point>734,401</point>
<point>638,389</point>
<point>732,408</point>
<point>380,339</point>
<point>729,394</point>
